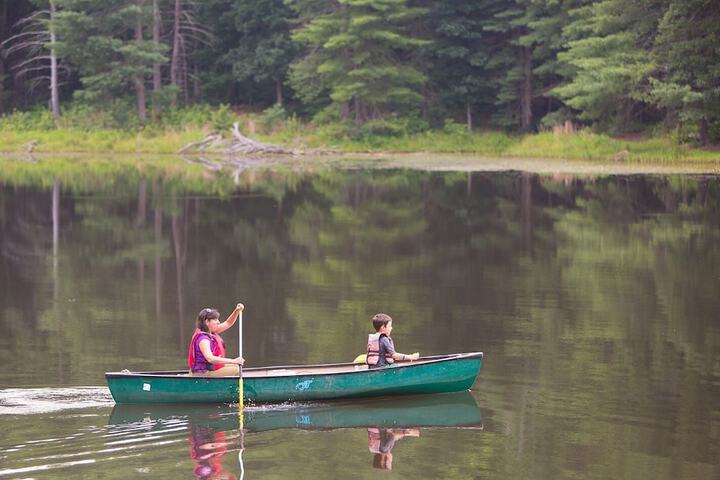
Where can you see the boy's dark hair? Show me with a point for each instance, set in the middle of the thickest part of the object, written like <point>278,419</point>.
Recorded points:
<point>380,461</point>
<point>380,320</point>
<point>204,315</point>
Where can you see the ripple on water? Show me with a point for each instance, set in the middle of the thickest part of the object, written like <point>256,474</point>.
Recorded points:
<point>28,401</point>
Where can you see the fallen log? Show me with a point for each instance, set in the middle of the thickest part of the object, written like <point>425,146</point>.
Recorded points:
<point>239,144</point>
<point>203,144</point>
<point>247,146</point>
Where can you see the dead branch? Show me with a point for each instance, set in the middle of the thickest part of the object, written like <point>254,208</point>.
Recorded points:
<point>239,144</point>
<point>247,146</point>
<point>203,144</point>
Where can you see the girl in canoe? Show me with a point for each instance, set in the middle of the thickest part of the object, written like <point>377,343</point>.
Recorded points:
<point>206,355</point>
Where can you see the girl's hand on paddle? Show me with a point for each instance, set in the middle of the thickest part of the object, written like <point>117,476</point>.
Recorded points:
<point>240,307</point>
<point>238,361</point>
<point>414,356</point>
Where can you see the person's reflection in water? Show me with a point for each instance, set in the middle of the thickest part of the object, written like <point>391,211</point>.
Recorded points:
<point>207,448</point>
<point>381,442</point>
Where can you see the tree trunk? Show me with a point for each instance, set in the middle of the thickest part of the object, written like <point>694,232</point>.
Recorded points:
<point>526,208</point>
<point>526,91</point>
<point>703,132</point>
<point>139,80</point>
<point>157,76</point>
<point>54,93</point>
<point>142,204</point>
<point>3,21</point>
<point>345,111</point>
<point>175,59</point>
<point>158,258</point>
<point>197,90</point>
<point>278,91</point>
<point>468,116</point>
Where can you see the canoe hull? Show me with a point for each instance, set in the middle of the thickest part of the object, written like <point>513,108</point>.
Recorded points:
<point>443,374</point>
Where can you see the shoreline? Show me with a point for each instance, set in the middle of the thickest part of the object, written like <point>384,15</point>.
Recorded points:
<point>441,162</point>
<point>581,146</point>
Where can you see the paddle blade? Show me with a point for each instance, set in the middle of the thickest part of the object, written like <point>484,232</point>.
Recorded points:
<point>360,358</point>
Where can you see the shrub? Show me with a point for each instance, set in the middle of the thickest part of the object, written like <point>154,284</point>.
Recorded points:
<point>35,119</point>
<point>222,118</point>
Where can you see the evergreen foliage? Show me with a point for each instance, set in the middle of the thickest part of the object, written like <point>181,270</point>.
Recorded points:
<point>608,49</point>
<point>358,52</point>
<point>100,38</point>
<point>390,66</point>
<point>688,56</point>
<point>459,55</point>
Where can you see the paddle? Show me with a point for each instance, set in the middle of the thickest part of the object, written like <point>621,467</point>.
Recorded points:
<point>240,379</point>
<point>241,401</point>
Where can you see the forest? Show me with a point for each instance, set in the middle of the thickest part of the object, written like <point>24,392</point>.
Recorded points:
<point>618,67</point>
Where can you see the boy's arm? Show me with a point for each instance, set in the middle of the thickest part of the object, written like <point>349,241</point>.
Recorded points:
<point>396,355</point>
<point>402,356</point>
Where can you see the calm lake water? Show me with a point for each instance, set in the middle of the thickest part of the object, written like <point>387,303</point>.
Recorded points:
<point>595,298</point>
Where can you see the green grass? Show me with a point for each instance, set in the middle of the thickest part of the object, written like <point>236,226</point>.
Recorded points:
<point>99,141</point>
<point>16,133</point>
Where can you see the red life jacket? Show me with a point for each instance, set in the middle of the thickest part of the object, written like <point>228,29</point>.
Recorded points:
<point>374,440</point>
<point>373,349</point>
<point>217,348</point>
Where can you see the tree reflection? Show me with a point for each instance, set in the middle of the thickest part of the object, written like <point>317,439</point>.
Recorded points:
<point>597,287</point>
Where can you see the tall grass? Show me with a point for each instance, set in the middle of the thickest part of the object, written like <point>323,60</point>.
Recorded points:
<point>86,130</point>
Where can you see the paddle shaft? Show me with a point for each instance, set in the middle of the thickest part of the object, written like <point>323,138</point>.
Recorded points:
<point>240,348</point>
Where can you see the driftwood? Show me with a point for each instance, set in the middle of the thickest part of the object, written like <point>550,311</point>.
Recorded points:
<point>203,144</point>
<point>247,146</point>
<point>239,144</point>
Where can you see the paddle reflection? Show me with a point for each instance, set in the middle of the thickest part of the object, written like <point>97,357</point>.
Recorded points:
<point>214,431</point>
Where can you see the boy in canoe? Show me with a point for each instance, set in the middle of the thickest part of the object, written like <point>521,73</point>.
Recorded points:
<point>380,348</point>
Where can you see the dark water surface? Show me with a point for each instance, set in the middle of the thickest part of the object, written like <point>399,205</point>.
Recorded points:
<point>596,299</point>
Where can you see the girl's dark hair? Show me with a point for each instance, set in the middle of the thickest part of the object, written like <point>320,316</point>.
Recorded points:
<point>205,315</point>
<point>380,320</point>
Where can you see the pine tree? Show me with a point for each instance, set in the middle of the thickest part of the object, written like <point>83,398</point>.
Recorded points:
<point>106,40</point>
<point>688,80</point>
<point>33,47</point>
<point>358,54</point>
<point>265,49</point>
<point>457,59</point>
<point>609,54</point>
<point>505,65</point>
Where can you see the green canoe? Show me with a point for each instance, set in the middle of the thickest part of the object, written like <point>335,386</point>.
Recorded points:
<point>435,374</point>
<point>457,410</point>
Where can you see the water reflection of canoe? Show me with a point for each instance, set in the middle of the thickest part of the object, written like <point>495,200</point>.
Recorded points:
<point>449,410</point>
<point>436,374</point>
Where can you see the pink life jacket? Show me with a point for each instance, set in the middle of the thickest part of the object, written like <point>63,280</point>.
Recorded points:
<point>373,440</point>
<point>373,349</point>
<point>217,347</point>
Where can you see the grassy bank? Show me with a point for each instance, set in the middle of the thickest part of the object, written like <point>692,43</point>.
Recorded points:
<point>46,137</point>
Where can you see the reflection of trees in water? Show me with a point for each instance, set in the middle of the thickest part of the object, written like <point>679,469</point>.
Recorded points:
<point>27,230</point>
<point>30,224</point>
<point>336,246</point>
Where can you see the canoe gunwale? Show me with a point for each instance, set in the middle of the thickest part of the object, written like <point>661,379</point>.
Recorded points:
<point>429,360</point>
